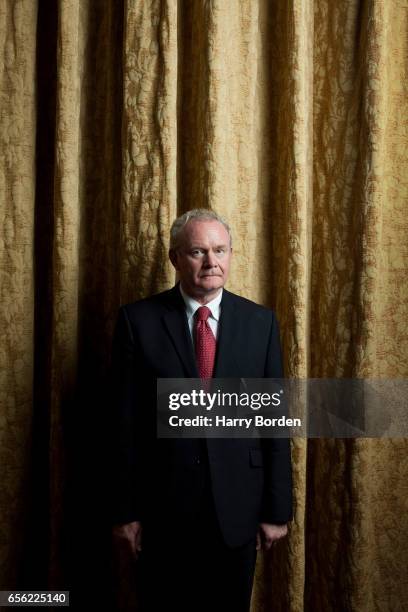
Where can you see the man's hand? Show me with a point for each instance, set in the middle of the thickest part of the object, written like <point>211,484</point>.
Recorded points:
<point>129,536</point>
<point>126,547</point>
<point>268,534</point>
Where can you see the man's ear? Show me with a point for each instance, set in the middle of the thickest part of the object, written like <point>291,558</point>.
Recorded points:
<point>173,258</point>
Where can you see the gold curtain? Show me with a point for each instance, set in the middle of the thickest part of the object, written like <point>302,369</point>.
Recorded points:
<point>288,117</point>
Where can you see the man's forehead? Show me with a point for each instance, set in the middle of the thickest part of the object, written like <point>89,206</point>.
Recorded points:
<point>205,230</point>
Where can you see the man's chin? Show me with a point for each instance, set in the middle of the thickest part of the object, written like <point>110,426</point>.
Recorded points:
<point>215,280</point>
<point>208,284</point>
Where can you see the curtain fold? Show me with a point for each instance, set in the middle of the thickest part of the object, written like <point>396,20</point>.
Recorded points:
<point>288,118</point>
<point>149,178</point>
<point>17,197</point>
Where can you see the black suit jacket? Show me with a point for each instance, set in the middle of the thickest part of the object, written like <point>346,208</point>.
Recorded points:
<point>163,479</point>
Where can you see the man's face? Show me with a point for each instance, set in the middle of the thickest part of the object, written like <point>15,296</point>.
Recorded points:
<point>202,258</point>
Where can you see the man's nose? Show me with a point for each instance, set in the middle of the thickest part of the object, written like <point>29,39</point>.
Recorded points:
<point>210,260</point>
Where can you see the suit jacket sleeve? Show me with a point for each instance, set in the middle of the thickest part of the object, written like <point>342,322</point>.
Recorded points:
<point>125,505</point>
<point>277,495</point>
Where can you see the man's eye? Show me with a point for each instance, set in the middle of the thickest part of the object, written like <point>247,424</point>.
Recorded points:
<point>196,252</point>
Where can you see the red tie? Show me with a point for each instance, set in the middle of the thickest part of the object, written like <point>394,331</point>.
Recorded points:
<point>205,343</point>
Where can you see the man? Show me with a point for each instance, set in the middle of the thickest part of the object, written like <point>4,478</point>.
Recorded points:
<point>192,511</point>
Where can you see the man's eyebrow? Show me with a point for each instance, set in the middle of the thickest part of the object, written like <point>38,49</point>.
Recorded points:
<point>218,246</point>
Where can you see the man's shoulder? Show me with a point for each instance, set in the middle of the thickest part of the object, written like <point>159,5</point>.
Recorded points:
<point>153,303</point>
<point>246,304</point>
<point>161,302</point>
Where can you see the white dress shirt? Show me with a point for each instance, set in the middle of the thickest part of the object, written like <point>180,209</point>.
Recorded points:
<point>192,306</point>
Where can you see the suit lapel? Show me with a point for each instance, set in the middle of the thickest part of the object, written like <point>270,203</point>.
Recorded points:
<point>175,321</point>
<point>225,362</point>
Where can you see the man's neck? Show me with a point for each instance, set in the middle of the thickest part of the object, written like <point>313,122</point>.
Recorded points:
<point>201,298</point>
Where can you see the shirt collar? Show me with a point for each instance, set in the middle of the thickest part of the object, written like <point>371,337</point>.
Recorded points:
<point>192,305</point>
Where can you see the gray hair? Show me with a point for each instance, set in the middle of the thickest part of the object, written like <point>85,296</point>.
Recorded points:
<point>197,214</point>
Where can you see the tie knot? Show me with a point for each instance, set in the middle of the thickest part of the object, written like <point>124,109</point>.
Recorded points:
<point>203,313</point>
